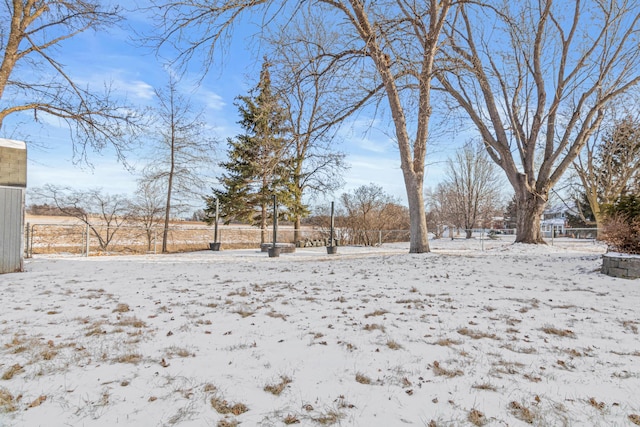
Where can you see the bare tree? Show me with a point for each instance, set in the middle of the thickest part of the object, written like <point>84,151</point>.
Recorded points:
<point>104,214</point>
<point>441,214</point>
<point>474,187</point>
<point>33,80</point>
<point>312,111</point>
<point>535,77</point>
<point>388,47</point>
<point>182,151</point>
<point>368,210</point>
<point>609,165</point>
<point>148,208</point>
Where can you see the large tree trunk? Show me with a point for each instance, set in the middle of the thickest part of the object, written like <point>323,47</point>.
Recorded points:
<point>529,209</point>
<point>297,224</point>
<point>418,237</point>
<point>599,218</point>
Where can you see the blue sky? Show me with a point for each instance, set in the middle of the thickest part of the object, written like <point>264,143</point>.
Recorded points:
<point>111,56</point>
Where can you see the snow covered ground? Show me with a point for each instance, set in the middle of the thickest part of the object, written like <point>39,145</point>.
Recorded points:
<point>474,333</point>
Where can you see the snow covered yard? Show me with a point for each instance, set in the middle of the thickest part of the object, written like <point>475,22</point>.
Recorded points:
<point>370,337</point>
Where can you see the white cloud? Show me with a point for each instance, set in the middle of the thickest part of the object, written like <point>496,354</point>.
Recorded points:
<point>135,89</point>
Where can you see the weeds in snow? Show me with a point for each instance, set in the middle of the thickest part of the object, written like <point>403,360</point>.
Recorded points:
<point>223,407</point>
<point>277,389</point>
<point>363,379</point>
<point>7,401</point>
<point>476,418</point>
<point>522,413</point>
<point>12,371</point>
<point>476,335</point>
<point>449,373</point>
<point>547,329</point>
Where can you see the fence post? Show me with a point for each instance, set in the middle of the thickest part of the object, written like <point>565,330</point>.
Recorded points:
<point>26,246</point>
<point>155,240</point>
<point>87,240</point>
<point>33,231</point>
<point>379,238</point>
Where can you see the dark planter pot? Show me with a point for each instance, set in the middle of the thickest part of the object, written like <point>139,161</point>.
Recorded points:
<point>214,246</point>
<point>331,250</point>
<point>274,252</point>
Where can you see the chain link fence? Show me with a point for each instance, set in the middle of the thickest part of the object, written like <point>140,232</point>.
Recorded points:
<point>80,239</point>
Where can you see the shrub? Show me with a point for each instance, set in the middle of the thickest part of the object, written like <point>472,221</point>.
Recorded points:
<point>621,229</point>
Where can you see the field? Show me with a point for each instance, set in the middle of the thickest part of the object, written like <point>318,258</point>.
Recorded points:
<point>65,235</point>
<point>474,333</point>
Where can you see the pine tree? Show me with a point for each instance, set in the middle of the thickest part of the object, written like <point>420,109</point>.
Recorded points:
<point>258,165</point>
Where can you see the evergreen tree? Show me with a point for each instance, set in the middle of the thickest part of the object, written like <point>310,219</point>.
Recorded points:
<point>583,218</point>
<point>258,165</point>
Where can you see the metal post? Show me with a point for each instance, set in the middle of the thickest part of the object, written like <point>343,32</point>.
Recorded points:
<point>274,251</point>
<point>331,249</point>
<point>332,223</point>
<point>275,221</point>
<point>215,232</point>
<point>379,238</point>
<point>155,240</point>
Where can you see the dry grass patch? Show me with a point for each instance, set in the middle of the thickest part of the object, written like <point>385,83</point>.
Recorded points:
<point>12,372</point>
<point>276,315</point>
<point>476,418</point>
<point>133,358</point>
<point>635,419</point>
<point>291,419</point>
<point>227,423</point>
<point>223,407</point>
<point>37,402</point>
<point>558,332</point>
<point>131,321</point>
<point>598,405</point>
<point>476,335</point>
<point>393,345</point>
<point>485,386</point>
<point>178,351</point>
<point>521,350</point>
<point>447,342</point>
<point>278,388</point>
<point>48,354</point>
<point>379,312</point>
<point>242,292</point>
<point>329,418</point>
<point>7,401</point>
<point>121,308</point>
<point>522,413</point>
<point>244,313</point>
<point>443,372</point>
<point>373,327</point>
<point>363,379</point>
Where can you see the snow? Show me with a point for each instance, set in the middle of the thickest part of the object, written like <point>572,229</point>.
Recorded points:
<point>474,332</point>
<point>10,143</point>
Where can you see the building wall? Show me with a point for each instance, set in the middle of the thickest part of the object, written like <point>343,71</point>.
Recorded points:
<point>11,229</point>
<point>13,167</point>
<point>13,183</point>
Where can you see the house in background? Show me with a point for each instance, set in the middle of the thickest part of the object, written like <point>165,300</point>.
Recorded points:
<point>554,221</point>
